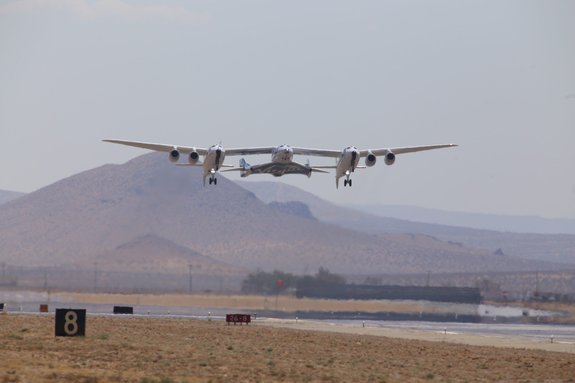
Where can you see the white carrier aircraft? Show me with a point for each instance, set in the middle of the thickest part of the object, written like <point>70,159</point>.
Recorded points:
<point>281,158</point>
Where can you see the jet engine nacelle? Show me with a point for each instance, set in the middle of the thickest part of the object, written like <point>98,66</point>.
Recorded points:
<point>370,159</point>
<point>193,157</point>
<point>174,155</point>
<point>389,158</point>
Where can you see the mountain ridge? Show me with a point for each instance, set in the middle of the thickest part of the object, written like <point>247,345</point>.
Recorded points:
<point>482,221</point>
<point>552,247</point>
<point>83,218</point>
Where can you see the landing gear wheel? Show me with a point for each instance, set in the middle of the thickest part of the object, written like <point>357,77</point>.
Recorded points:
<point>215,181</point>
<point>349,183</point>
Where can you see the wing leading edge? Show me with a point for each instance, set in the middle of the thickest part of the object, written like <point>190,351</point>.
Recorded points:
<point>404,149</point>
<point>159,147</point>
<point>269,149</point>
<point>189,149</point>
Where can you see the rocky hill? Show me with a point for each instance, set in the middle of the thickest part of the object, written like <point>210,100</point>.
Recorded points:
<point>160,217</point>
<point>543,247</point>
<point>150,253</point>
<point>7,196</point>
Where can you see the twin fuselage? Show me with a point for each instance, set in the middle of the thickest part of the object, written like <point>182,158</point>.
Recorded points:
<point>282,157</point>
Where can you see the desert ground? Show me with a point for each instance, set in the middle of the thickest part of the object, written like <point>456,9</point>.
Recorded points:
<point>139,349</point>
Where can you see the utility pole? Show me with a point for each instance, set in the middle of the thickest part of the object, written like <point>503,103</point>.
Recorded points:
<point>95,277</point>
<point>45,279</point>
<point>190,275</point>
<point>428,278</point>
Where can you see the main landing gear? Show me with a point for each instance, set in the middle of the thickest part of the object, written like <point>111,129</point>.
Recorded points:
<point>347,180</point>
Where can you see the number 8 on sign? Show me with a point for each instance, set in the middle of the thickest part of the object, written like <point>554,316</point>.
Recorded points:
<point>70,322</point>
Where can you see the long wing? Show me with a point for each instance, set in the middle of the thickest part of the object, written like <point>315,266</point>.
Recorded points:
<point>317,152</point>
<point>269,149</point>
<point>159,147</point>
<point>363,153</point>
<point>405,149</point>
<point>189,149</point>
<point>246,151</point>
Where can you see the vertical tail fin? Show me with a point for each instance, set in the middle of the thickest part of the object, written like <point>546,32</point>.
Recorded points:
<point>244,165</point>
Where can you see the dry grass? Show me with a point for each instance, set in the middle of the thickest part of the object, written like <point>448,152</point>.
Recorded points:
<point>121,349</point>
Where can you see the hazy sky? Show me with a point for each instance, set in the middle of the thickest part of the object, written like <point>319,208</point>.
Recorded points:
<point>496,77</point>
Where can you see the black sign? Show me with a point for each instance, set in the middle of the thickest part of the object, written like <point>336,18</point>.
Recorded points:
<point>123,310</point>
<point>70,322</point>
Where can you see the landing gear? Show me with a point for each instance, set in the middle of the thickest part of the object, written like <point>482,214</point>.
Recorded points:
<point>347,180</point>
<point>213,179</point>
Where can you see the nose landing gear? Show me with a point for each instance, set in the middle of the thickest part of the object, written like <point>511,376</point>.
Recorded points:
<point>213,179</point>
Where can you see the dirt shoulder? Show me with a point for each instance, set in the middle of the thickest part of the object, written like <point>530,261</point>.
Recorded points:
<point>122,349</point>
<point>505,341</point>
